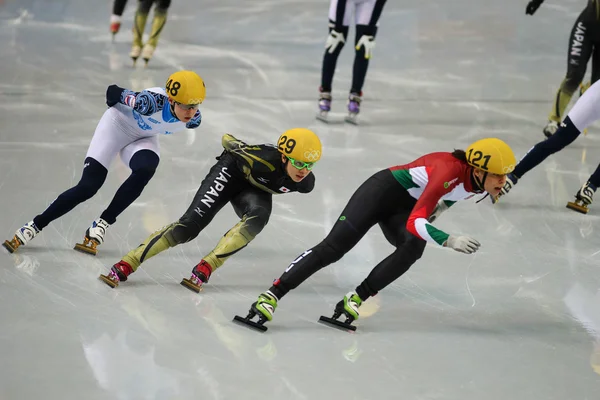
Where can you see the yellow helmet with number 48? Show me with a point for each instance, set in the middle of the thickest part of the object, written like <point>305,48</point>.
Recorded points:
<point>300,144</point>
<point>491,155</point>
<point>186,87</point>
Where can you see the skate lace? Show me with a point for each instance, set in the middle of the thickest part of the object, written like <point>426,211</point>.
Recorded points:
<point>114,276</point>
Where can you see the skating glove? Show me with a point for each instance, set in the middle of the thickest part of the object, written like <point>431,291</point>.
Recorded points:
<point>334,39</point>
<point>464,244</point>
<point>437,211</point>
<point>368,42</point>
<point>113,95</point>
<point>532,6</point>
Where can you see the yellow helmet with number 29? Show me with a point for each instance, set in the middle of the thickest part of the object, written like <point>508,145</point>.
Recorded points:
<point>491,155</point>
<point>186,87</point>
<point>300,144</point>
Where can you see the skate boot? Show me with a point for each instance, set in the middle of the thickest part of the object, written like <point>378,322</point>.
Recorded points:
<point>264,308</point>
<point>324,106</point>
<point>147,53</point>
<point>115,25</point>
<point>22,237</point>
<point>354,100</point>
<point>550,128</point>
<point>583,198</point>
<point>511,180</point>
<point>135,53</point>
<point>94,236</point>
<point>200,275</point>
<point>118,273</point>
<point>349,308</point>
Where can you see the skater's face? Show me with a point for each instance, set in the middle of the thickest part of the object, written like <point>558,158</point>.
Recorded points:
<point>296,174</point>
<point>184,113</point>
<point>493,183</point>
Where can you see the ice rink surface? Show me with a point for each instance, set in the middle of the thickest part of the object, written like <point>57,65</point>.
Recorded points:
<point>518,320</point>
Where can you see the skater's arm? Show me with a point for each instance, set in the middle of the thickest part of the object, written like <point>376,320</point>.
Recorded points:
<point>195,121</point>
<point>144,102</point>
<point>436,187</point>
<point>440,207</point>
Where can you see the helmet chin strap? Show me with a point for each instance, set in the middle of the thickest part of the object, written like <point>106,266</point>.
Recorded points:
<point>481,184</point>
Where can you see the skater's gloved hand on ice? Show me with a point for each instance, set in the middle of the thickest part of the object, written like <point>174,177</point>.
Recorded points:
<point>438,210</point>
<point>113,95</point>
<point>334,39</point>
<point>532,6</point>
<point>464,244</point>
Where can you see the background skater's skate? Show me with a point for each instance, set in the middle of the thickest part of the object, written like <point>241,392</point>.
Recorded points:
<point>324,106</point>
<point>353,108</point>
<point>147,53</point>
<point>347,307</point>
<point>118,273</point>
<point>264,307</point>
<point>200,275</point>
<point>583,198</point>
<point>94,236</point>
<point>135,53</point>
<point>22,237</point>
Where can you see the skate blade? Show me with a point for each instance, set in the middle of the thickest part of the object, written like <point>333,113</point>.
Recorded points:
<point>323,118</point>
<point>85,249</point>
<point>9,246</point>
<point>190,285</point>
<point>336,323</point>
<point>249,324</point>
<point>351,119</point>
<point>576,207</point>
<point>108,281</point>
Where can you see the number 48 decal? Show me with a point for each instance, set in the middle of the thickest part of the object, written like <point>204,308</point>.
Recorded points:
<point>476,156</point>
<point>173,87</point>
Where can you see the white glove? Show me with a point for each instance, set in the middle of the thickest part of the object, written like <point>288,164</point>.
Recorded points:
<point>368,42</point>
<point>464,244</point>
<point>437,211</point>
<point>333,40</point>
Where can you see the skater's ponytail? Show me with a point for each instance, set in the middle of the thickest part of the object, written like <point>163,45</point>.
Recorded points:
<point>460,154</point>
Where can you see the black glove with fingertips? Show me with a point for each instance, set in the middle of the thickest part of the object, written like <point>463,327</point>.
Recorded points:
<point>532,6</point>
<point>113,95</point>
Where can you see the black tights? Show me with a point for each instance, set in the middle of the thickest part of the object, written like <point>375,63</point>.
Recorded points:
<point>379,200</point>
<point>143,164</point>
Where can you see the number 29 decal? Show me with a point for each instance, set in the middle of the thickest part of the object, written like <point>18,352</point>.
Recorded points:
<point>475,157</point>
<point>286,145</point>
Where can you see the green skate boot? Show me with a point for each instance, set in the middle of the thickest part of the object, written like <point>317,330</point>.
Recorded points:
<point>349,307</point>
<point>264,308</point>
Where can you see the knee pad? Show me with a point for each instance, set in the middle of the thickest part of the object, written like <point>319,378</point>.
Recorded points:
<point>364,42</point>
<point>144,6</point>
<point>336,39</point>
<point>572,81</point>
<point>255,220</point>
<point>163,5</point>
<point>143,164</point>
<point>92,179</point>
<point>182,232</point>
<point>566,134</point>
<point>327,252</point>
